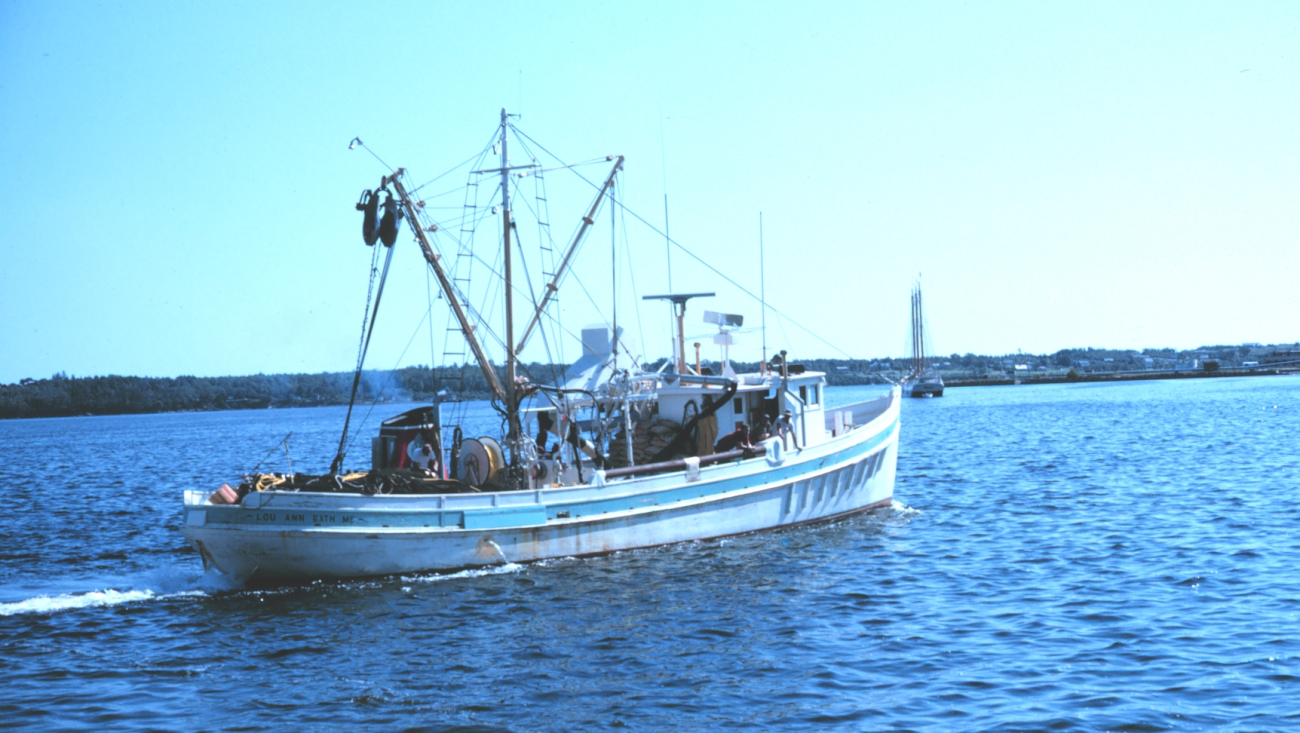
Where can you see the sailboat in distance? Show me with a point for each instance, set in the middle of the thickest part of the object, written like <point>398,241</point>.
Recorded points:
<point>923,380</point>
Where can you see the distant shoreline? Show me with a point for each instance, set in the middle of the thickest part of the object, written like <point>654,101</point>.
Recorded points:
<point>1118,377</point>
<point>64,396</point>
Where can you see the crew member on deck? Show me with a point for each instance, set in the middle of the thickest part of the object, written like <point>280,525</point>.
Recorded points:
<point>733,440</point>
<point>426,460</point>
<point>785,427</point>
<point>544,425</point>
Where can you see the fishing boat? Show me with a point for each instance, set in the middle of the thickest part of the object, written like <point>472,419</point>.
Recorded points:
<point>624,455</point>
<point>923,380</point>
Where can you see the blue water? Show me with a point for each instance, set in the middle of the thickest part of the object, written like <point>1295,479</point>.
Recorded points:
<point>1067,557</point>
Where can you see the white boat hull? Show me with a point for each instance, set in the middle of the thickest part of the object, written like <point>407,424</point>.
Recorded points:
<point>283,536</point>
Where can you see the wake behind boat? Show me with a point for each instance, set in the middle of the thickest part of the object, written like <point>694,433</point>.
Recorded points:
<point>624,456</point>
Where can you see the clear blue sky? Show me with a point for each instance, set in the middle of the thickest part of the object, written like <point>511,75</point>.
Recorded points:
<point>177,190</point>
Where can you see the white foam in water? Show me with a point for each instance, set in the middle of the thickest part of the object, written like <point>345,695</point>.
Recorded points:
<point>52,604</point>
<point>160,584</point>
<point>509,567</point>
<point>900,508</point>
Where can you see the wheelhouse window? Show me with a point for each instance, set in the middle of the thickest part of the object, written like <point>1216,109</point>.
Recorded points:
<point>738,406</point>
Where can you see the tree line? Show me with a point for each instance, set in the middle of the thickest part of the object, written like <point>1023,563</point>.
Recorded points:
<point>64,396</point>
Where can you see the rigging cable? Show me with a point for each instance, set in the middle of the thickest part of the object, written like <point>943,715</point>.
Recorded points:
<point>357,141</point>
<point>631,273</point>
<point>532,293</point>
<point>388,377</point>
<point>545,243</point>
<point>694,256</point>
<point>337,464</point>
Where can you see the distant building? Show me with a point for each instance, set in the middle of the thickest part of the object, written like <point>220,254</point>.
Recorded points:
<point>1279,356</point>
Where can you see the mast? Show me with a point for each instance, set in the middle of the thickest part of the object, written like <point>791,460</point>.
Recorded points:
<point>514,431</point>
<point>920,325</point>
<point>668,241</point>
<point>915,369</point>
<point>512,404</point>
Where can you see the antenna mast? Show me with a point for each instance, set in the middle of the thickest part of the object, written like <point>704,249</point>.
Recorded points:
<point>762,284</point>
<point>613,266</point>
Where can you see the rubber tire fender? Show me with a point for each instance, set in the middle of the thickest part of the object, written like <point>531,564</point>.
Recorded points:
<point>369,203</point>
<point>391,220</point>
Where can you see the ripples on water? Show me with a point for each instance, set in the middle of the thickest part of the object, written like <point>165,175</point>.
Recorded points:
<point>1090,557</point>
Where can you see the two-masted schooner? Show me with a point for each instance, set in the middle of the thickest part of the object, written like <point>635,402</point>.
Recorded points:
<point>923,379</point>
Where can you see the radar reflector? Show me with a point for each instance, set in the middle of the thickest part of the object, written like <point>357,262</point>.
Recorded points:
<point>723,320</point>
<point>726,323</point>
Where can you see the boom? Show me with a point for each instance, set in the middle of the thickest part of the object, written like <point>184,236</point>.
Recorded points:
<point>554,285</point>
<point>443,282</point>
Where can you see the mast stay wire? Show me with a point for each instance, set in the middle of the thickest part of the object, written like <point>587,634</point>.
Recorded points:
<point>466,247</point>
<point>454,168</point>
<point>631,273</point>
<point>539,179</point>
<point>433,352</point>
<point>388,377</point>
<point>495,272</point>
<point>337,464</point>
<point>537,215</point>
<point>357,141</point>
<point>490,294</point>
<point>571,273</point>
<point>694,256</point>
<point>545,243</point>
<point>483,320</point>
<point>532,292</point>
<point>477,314</point>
